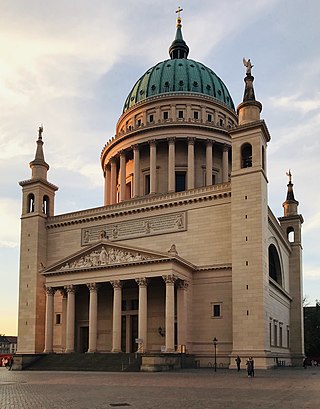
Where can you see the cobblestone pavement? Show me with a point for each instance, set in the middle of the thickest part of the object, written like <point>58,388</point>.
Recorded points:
<point>201,389</point>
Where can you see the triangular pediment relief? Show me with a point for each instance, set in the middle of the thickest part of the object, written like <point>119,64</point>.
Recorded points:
<point>103,255</point>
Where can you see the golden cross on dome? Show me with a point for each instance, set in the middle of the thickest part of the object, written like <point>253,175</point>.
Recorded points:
<point>179,11</point>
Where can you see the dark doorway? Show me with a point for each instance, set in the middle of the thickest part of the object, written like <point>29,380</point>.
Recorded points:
<point>84,339</point>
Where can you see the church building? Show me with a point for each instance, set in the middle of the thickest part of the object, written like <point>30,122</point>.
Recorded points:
<point>185,249</point>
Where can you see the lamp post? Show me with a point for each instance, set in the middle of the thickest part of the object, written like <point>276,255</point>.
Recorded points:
<point>215,341</point>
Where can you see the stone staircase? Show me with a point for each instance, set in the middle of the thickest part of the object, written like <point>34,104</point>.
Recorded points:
<point>107,362</point>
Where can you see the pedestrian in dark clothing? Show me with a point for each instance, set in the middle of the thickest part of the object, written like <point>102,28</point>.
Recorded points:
<point>250,367</point>
<point>238,362</point>
<point>10,363</point>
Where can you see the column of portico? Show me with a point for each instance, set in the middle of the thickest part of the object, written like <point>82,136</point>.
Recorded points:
<point>143,313</point>
<point>70,289</point>
<point>225,164</point>
<point>117,303</point>
<point>136,171</point>
<point>190,184</point>
<point>171,165</point>
<point>48,343</point>
<point>153,166</point>
<point>107,185</point>
<point>182,316</point>
<point>169,280</point>
<point>113,181</point>
<point>93,316</point>
<point>209,162</point>
<point>64,318</point>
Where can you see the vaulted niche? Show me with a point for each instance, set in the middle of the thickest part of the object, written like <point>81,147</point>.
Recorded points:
<point>274,265</point>
<point>45,205</point>
<point>246,155</point>
<point>30,203</point>
<point>290,234</point>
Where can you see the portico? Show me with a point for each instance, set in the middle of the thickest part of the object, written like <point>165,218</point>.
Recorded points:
<point>117,315</point>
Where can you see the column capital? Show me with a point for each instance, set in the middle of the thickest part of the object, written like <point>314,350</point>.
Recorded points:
<point>226,147</point>
<point>169,279</point>
<point>135,147</point>
<point>152,142</point>
<point>183,284</point>
<point>116,284</point>
<point>171,139</point>
<point>191,140</point>
<point>93,286</point>
<point>142,282</point>
<point>122,152</point>
<point>210,142</point>
<point>70,288</point>
<point>50,290</point>
<point>113,160</point>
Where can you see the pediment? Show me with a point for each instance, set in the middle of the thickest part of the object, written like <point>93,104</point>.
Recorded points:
<point>104,255</point>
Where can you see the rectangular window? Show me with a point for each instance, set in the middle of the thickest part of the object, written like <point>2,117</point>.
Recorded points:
<point>270,333</point>
<point>280,336</point>
<point>134,304</point>
<point>151,118</point>
<point>123,305</point>
<point>216,310</point>
<point>165,115</point>
<point>180,181</point>
<point>147,184</point>
<point>275,335</point>
<point>195,114</point>
<point>288,337</point>
<point>209,118</point>
<point>180,114</point>
<point>58,319</point>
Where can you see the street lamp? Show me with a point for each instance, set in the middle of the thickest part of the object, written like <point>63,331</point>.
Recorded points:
<point>215,341</point>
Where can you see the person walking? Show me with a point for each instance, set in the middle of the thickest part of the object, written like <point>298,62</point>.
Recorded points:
<point>238,362</point>
<point>249,367</point>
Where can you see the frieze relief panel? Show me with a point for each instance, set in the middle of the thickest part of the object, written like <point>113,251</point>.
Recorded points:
<point>147,226</point>
<point>104,256</point>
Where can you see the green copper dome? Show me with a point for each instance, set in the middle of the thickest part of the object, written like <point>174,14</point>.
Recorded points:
<point>178,75</point>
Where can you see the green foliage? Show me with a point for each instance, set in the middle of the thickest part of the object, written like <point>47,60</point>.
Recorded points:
<point>312,330</point>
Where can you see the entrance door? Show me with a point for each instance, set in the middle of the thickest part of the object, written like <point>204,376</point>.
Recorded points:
<point>84,339</point>
<point>134,332</point>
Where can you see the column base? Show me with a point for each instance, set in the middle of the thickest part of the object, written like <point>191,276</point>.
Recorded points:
<point>48,351</point>
<point>69,351</point>
<point>116,350</point>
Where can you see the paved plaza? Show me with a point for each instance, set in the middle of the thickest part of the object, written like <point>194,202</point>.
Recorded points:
<point>201,389</point>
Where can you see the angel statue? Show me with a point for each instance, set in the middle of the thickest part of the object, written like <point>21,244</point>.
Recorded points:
<point>248,65</point>
<point>289,174</point>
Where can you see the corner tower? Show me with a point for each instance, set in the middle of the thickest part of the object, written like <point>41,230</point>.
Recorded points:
<point>291,223</point>
<point>249,220</point>
<point>37,206</point>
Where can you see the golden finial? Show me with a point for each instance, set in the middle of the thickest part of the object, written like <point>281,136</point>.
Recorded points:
<point>179,16</point>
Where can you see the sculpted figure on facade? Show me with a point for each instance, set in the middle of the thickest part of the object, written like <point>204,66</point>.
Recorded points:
<point>105,256</point>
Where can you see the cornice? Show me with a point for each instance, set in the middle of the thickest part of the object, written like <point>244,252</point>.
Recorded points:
<point>38,180</point>
<point>142,204</point>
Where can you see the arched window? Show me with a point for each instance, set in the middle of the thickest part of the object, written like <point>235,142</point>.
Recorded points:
<point>246,155</point>
<point>274,264</point>
<point>45,205</point>
<point>30,203</point>
<point>290,234</point>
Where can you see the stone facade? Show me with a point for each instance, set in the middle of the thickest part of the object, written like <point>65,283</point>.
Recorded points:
<point>185,249</point>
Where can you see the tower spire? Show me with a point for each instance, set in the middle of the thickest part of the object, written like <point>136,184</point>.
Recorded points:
<point>249,109</point>
<point>39,166</point>
<point>290,206</point>
<point>178,48</point>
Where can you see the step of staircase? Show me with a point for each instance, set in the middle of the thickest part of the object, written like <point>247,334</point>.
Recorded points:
<point>107,362</point>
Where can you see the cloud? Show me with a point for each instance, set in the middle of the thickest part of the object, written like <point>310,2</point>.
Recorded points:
<point>10,222</point>
<point>296,103</point>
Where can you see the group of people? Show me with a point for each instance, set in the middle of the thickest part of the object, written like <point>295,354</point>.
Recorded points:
<point>7,362</point>
<point>249,364</point>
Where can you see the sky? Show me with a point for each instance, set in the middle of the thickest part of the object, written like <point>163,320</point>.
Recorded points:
<point>70,65</point>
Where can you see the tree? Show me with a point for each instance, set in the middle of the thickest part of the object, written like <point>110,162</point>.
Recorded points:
<point>312,330</point>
